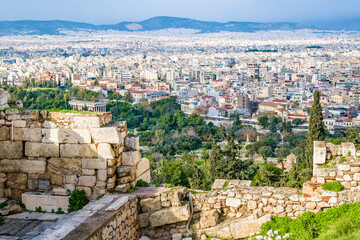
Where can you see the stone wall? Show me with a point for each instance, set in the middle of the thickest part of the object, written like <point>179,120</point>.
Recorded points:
<point>40,151</point>
<point>335,163</point>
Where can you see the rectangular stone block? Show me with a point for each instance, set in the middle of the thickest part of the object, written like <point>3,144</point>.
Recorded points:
<point>145,177</point>
<point>130,158</point>
<point>74,136</point>
<point>19,123</point>
<point>11,149</point>
<point>32,166</point>
<point>106,135</point>
<point>34,149</point>
<point>78,150</point>
<point>50,135</point>
<point>132,143</point>
<point>102,175</point>
<point>169,216</point>
<point>105,151</point>
<point>86,122</point>
<point>46,201</point>
<point>319,152</point>
<point>7,166</point>
<point>142,166</point>
<point>93,163</point>
<point>27,134</point>
<point>87,181</point>
<point>4,133</point>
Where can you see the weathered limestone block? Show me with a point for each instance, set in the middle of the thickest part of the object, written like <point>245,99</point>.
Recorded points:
<point>244,228</point>
<point>105,151</point>
<point>218,184</point>
<point>7,166</point>
<point>321,172</point>
<point>319,152</point>
<point>144,219</point>
<point>19,123</point>
<point>233,202</point>
<point>150,204</point>
<point>11,149</point>
<point>78,150</point>
<point>93,163</point>
<point>4,133</point>
<point>27,134</point>
<point>343,167</point>
<point>47,201</point>
<point>16,180</point>
<point>145,177</point>
<point>334,149</point>
<point>86,122</point>
<point>106,135</point>
<point>32,166</point>
<point>71,179</point>
<point>130,158</point>
<point>87,181</point>
<point>123,188</point>
<point>132,143</point>
<point>209,219</point>
<point>64,166</point>
<point>35,149</point>
<point>74,136</point>
<point>142,167</point>
<point>50,135</point>
<point>88,190</point>
<point>169,216</point>
<point>348,149</point>
<point>49,124</point>
<point>102,175</point>
<point>124,171</point>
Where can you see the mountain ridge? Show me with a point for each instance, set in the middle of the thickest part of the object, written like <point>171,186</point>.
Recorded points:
<point>53,27</point>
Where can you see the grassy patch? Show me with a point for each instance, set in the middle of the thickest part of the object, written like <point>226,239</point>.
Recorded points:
<point>336,223</point>
<point>333,186</point>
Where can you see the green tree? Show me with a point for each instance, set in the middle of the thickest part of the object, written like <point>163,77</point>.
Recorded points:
<point>352,135</point>
<point>316,130</point>
<point>263,121</point>
<point>215,162</point>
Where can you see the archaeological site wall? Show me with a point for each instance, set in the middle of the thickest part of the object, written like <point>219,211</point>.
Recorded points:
<point>40,151</point>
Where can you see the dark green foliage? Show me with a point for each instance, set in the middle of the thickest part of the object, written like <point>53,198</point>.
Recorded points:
<point>264,121</point>
<point>316,129</point>
<point>77,200</point>
<point>333,186</point>
<point>336,223</point>
<point>38,209</point>
<point>142,183</point>
<point>60,211</point>
<point>352,135</point>
<point>2,219</point>
<point>3,204</point>
<point>335,141</point>
<point>268,175</point>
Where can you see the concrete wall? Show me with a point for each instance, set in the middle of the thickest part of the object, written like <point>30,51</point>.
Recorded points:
<point>40,151</point>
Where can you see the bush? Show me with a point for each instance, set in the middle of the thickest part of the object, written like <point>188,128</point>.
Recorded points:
<point>333,186</point>
<point>2,219</point>
<point>77,200</point>
<point>142,183</point>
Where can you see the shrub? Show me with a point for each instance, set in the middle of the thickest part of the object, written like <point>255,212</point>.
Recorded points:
<point>3,204</point>
<point>142,183</point>
<point>77,200</point>
<point>342,159</point>
<point>59,211</point>
<point>333,186</point>
<point>38,209</point>
<point>2,219</point>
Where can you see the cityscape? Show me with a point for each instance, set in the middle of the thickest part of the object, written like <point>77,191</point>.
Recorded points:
<point>235,126</point>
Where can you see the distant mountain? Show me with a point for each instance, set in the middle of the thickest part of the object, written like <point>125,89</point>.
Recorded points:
<point>28,27</point>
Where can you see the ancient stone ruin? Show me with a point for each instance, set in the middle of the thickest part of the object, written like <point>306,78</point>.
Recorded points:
<point>44,155</point>
<point>42,151</point>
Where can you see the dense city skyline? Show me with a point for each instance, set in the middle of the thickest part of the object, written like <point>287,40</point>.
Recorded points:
<point>111,11</point>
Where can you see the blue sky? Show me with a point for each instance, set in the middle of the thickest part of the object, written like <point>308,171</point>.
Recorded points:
<point>114,11</point>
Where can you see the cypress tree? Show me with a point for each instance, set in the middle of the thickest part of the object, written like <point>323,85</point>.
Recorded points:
<point>215,162</point>
<point>316,129</point>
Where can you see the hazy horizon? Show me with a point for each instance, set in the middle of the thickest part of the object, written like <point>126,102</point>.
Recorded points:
<point>115,11</point>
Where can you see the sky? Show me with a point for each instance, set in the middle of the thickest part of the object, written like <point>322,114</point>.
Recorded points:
<point>114,11</point>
